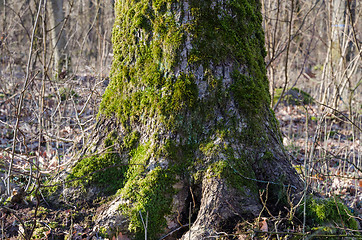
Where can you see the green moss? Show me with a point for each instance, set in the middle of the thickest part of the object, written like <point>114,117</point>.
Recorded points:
<point>275,126</point>
<point>268,156</point>
<point>43,232</point>
<point>209,148</point>
<point>139,159</point>
<point>130,141</point>
<point>236,176</point>
<point>182,93</point>
<point>232,30</point>
<point>148,196</point>
<point>41,211</point>
<point>328,212</point>
<point>103,232</point>
<point>140,56</point>
<point>236,171</point>
<point>40,232</point>
<point>48,191</point>
<point>250,96</point>
<point>67,93</point>
<point>143,82</point>
<point>106,170</point>
<point>293,96</point>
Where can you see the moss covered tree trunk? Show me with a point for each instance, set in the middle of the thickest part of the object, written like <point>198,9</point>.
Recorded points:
<point>187,112</point>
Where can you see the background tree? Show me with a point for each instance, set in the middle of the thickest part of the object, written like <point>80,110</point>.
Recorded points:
<point>187,110</point>
<point>58,38</point>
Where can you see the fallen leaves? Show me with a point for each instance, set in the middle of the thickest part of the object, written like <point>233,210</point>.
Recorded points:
<point>263,225</point>
<point>336,163</point>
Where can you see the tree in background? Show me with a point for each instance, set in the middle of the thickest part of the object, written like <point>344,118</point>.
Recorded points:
<point>187,112</point>
<point>342,49</point>
<point>58,38</point>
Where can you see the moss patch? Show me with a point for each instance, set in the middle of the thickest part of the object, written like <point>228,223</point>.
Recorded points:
<point>106,170</point>
<point>236,176</point>
<point>325,213</point>
<point>293,96</point>
<point>148,196</point>
<point>146,39</point>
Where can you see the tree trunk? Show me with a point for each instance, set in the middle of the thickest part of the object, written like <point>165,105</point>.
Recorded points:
<point>341,46</point>
<point>56,18</point>
<point>187,111</point>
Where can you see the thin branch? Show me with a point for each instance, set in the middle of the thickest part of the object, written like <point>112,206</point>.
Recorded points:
<point>20,104</point>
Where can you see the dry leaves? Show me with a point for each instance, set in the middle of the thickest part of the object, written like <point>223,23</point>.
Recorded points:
<point>263,225</point>
<point>336,163</point>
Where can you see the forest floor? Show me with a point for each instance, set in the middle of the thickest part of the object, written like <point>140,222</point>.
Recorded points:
<point>327,148</point>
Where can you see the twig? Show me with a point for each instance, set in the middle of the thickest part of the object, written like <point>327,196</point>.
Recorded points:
<point>17,217</point>
<point>335,110</point>
<point>20,104</point>
<point>287,56</point>
<point>264,202</point>
<point>339,213</point>
<point>173,231</point>
<point>190,222</point>
<point>193,198</point>
<point>145,224</point>
<point>261,181</point>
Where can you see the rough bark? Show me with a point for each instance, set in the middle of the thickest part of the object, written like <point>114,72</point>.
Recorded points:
<point>187,110</point>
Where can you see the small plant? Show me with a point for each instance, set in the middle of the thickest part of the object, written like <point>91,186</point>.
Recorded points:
<point>324,214</point>
<point>67,93</point>
<point>294,96</point>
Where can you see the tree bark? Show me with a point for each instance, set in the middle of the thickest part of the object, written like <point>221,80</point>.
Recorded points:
<point>56,19</point>
<point>187,110</point>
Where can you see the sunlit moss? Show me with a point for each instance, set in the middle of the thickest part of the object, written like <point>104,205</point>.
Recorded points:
<point>327,213</point>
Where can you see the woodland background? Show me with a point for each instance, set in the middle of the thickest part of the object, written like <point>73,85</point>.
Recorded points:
<point>53,74</point>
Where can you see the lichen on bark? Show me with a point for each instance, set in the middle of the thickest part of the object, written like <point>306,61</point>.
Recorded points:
<point>189,78</point>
